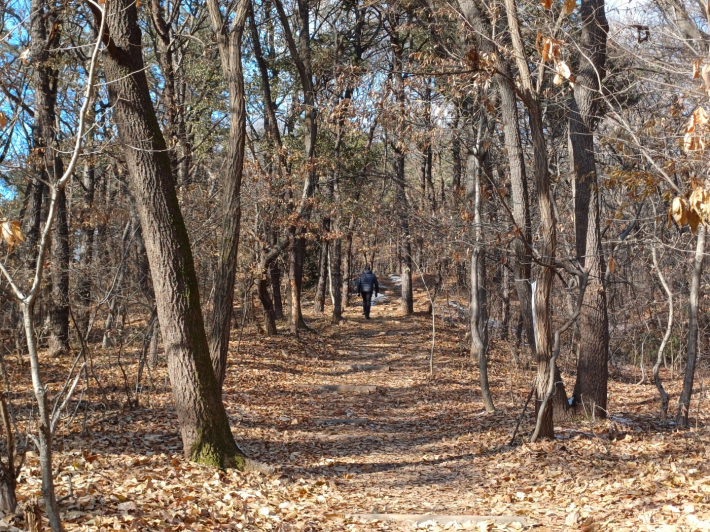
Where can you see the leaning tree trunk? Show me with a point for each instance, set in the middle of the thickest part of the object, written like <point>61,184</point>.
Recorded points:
<point>692,351</point>
<point>230,49</point>
<point>204,424</point>
<point>548,227</point>
<point>590,390</point>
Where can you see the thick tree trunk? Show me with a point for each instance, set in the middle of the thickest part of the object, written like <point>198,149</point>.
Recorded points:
<point>692,350</point>
<point>204,424</point>
<point>590,390</point>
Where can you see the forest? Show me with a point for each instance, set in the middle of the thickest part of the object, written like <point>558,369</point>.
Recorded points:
<point>192,194</point>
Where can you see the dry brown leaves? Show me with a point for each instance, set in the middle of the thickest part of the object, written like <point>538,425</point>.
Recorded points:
<point>428,447</point>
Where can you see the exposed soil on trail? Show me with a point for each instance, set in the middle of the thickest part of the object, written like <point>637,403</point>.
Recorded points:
<point>415,444</point>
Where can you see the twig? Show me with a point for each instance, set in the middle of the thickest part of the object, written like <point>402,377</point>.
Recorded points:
<point>520,417</point>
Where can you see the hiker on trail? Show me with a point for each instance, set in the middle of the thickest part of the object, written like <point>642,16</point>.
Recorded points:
<point>366,284</point>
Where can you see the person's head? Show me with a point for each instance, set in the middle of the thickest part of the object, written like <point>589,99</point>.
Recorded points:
<point>367,267</point>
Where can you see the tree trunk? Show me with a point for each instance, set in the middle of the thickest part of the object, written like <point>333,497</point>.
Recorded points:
<point>275,276</point>
<point>692,351</point>
<point>476,17</point>
<point>116,288</point>
<point>44,436</point>
<point>301,54</point>
<point>296,256</point>
<point>548,226</point>
<point>59,333</point>
<point>505,319</point>
<point>87,227</point>
<point>267,305</point>
<point>660,359</point>
<point>204,424</point>
<point>8,471</point>
<point>230,49</point>
<point>590,390</point>
<point>479,322</point>
<point>402,205</point>
<point>347,274</point>
<point>336,260</point>
<point>322,285</point>
<point>457,167</point>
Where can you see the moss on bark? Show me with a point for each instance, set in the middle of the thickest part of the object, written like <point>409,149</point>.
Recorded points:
<point>211,452</point>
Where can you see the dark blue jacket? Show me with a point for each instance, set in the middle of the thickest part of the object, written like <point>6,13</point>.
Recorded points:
<point>368,283</point>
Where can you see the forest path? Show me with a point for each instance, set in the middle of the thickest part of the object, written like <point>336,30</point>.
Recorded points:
<point>414,446</point>
<point>408,443</point>
<point>422,444</point>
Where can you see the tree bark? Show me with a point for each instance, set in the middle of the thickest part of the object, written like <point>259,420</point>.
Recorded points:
<point>457,167</point>
<point>87,227</point>
<point>267,305</point>
<point>295,274</point>
<point>336,275</point>
<point>548,227</point>
<point>275,276</point>
<point>319,304</point>
<point>204,424</point>
<point>347,274</point>
<point>479,297</point>
<point>59,315</point>
<point>301,54</point>
<point>590,390</point>
<point>669,329</point>
<point>230,49</point>
<point>483,29</point>
<point>693,331</point>
<point>402,205</point>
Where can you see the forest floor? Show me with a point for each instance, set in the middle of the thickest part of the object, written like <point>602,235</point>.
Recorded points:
<point>414,443</point>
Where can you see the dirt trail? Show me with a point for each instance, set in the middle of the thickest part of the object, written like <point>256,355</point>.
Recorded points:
<point>425,445</point>
<point>407,443</point>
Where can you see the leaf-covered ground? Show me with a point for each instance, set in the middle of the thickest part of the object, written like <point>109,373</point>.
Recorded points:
<point>416,444</point>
